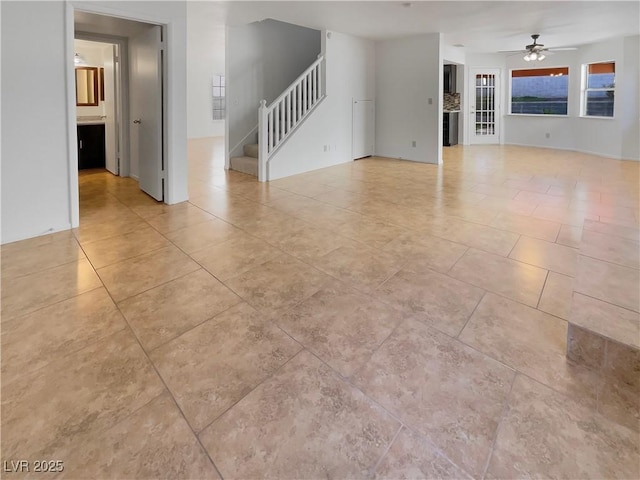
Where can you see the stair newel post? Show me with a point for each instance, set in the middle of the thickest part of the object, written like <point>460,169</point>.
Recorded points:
<point>263,140</point>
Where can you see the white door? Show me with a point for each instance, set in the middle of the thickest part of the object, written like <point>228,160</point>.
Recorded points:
<point>484,106</point>
<point>110,105</point>
<point>364,128</point>
<point>146,111</point>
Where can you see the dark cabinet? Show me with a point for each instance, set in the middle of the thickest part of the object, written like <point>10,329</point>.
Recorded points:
<point>449,79</point>
<point>450,129</point>
<point>91,148</point>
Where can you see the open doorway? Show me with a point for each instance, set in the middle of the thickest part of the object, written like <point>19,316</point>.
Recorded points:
<point>120,107</point>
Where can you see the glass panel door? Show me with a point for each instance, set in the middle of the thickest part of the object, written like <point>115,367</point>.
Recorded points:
<point>485,108</point>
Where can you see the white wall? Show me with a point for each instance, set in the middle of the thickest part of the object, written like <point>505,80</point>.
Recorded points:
<point>629,91</point>
<point>38,191</point>
<point>408,74</point>
<point>35,165</point>
<point>263,58</point>
<point>615,137</point>
<point>350,75</point>
<point>205,58</point>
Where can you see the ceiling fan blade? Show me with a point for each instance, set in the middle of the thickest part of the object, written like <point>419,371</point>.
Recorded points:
<point>510,51</point>
<point>561,49</point>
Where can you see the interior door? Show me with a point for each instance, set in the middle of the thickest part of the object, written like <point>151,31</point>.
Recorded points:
<point>484,106</point>
<point>364,128</point>
<point>110,104</point>
<point>146,111</point>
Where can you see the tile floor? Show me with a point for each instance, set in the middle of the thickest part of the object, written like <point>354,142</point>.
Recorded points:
<point>378,319</point>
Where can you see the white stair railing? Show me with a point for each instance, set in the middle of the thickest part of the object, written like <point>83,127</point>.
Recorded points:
<point>278,120</point>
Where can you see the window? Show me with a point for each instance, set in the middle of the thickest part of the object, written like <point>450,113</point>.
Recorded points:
<point>540,91</point>
<point>219,100</point>
<point>598,89</point>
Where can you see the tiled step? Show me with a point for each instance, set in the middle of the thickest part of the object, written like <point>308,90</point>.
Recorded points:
<point>248,165</point>
<point>251,150</point>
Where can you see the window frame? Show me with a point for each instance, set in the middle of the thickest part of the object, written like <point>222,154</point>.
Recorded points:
<point>584,89</point>
<point>219,82</point>
<point>551,115</point>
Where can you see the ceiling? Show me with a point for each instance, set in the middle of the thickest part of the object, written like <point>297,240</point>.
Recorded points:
<point>480,26</point>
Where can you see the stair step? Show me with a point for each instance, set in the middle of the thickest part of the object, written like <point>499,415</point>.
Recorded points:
<point>248,165</point>
<point>251,150</point>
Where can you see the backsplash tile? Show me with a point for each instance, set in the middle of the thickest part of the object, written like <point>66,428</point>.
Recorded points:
<point>451,101</point>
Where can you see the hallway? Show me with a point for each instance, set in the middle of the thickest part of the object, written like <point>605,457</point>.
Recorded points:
<point>379,318</point>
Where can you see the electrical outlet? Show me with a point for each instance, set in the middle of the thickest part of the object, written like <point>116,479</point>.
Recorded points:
<point>430,101</point>
<point>547,135</point>
<point>413,143</point>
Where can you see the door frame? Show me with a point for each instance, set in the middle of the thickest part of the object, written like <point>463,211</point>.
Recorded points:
<point>72,138</point>
<point>470,104</point>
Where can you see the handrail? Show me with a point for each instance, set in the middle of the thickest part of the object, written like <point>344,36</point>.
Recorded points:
<point>297,80</point>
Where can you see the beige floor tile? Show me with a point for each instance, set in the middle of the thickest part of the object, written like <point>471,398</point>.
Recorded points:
<point>556,296</point>
<point>513,279</point>
<point>619,403</point>
<point>422,252</point>
<point>278,284</point>
<point>605,319</point>
<point>435,299</point>
<point>17,262</point>
<point>135,275</point>
<point>478,236</point>
<point>630,233</point>
<point>153,442</point>
<point>342,326</point>
<point>121,247</point>
<point>360,267</point>
<point>610,248</point>
<point>108,227</point>
<point>542,426</point>
<point>234,257</point>
<point>570,236</point>
<point>302,423</point>
<point>547,255</point>
<point>440,388</point>
<point>532,227</point>
<point>202,235</point>
<point>31,292</point>
<point>531,342</point>
<point>309,243</point>
<point>212,366</point>
<point>371,232</point>
<point>164,312</point>
<point>35,242</point>
<point>37,339</point>
<point>608,282</point>
<point>412,457</point>
<point>179,218</point>
<point>76,395</point>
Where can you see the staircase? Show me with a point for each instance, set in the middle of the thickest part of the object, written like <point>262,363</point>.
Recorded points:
<point>279,120</point>
<point>248,163</point>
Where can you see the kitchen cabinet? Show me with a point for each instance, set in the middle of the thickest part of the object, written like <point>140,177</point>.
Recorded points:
<point>449,129</point>
<point>450,79</point>
<point>91,146</point>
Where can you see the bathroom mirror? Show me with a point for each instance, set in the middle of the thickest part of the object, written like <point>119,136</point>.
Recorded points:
<point>87,86</point>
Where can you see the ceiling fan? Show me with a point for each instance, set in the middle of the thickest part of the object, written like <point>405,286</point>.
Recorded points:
<point>535,50</point>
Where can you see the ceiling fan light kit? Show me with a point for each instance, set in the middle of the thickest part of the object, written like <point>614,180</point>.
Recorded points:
<point>535,51</point>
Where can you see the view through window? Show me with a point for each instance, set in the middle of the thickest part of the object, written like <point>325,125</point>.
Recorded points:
<point>219,100</point>
<point>599,92</point>
<point>540,91</point>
